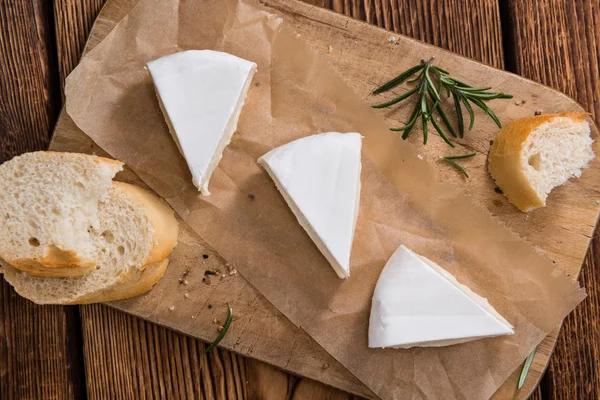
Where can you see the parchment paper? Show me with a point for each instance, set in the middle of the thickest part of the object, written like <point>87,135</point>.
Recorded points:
<point>294,94</point>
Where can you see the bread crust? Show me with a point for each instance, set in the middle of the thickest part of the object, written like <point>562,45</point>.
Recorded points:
<point>166,228</point>
<point>55,262</point>
<point>504,160</point>
<point>141,281</point>
<point>130,285</point>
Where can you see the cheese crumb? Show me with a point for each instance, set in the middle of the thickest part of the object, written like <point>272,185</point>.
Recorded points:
<point>171,308</point>
<point>330,49</point>
<point>187,295</point>
<point>392,39</point>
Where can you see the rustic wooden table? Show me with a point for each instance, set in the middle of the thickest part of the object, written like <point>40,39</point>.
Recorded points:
<point>94,351</point>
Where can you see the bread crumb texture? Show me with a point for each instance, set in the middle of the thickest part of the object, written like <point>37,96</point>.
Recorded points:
<point>531,156</point>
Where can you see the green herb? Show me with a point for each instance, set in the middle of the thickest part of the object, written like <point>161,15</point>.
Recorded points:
<point>433,83</point>
<point>526,367</point>
<point>450,160</point>
<point>223,331</point>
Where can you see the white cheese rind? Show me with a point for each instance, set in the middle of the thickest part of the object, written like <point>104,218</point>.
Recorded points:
<point>201,94</point>
<point>418,303</point>
<point>319,178</point>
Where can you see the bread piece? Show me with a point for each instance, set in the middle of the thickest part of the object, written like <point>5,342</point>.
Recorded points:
<point>136,229</point>
<point>48,203</point>
<point>531,156</point>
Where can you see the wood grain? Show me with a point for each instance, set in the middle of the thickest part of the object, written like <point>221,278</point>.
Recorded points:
<point>74,20</point>
<point>439,22</point>
<point>72,26</point>
<point>344,35</point>
<point>127,357</point>
<point>557,43</point>
<point>28,89</point>
<point>261,381</point>
<point>460,37</point>
<point>39,346</point>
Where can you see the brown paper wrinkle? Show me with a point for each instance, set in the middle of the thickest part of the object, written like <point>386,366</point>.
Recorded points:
<point>110,97</point>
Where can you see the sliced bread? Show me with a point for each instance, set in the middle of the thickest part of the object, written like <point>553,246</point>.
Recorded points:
<point>135,234</point>
<point>531,156</point>
<point>48,207</point>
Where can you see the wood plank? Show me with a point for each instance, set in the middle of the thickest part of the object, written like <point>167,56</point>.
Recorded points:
<point>39,346</point>
<point>74,20</point>
<point>557,43</point>
<point>439,22</point>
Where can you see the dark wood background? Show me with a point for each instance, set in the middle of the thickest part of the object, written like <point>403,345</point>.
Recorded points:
<point>92,351</point>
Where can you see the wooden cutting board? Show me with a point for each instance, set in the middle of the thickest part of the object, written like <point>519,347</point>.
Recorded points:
<point>259,330</point>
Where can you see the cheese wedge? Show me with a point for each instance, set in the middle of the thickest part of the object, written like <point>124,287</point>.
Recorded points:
<point>319,178</point>
<point>418,304</point>
<point>201,94</point>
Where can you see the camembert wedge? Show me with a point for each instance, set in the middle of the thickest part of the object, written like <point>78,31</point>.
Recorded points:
<point>418,304</point>
<point>201,94</point>
<point>319,178</point>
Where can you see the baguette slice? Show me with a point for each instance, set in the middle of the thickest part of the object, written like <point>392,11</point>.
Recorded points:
<point>48,203</point>
<point>531,156</point>
<point>135,235</point>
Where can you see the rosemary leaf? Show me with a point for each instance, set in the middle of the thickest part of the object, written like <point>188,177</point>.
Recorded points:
<point>399,79</point>
<point>484,96</point>
<point>460,84</point>
<point>443,71</point>
<point>455,165</point>
<point>446,121</point>
<point>397,99</point>
<point>442,134</point>
<point>411,122</point>
<point>424,120</point>
<point>431,85</point>
<point>407,131</point>
<point>460,157</point>
<point>418,77</point>
<point>485,108</point>
<point>459,116</point>
<point>223,332</point>
<point>526,367</point>
<point>472,89</point>
<point>469,110</point>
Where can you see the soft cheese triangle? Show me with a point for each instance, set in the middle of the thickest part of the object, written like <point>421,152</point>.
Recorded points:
<point>319,178</point>
<point>201,94</point>
<point>417,303</point>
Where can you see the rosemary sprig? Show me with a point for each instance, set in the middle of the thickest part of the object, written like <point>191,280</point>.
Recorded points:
<point>223,331</point>
<point>450,160</point>
<point>526,367</point>
<point>430,97</point>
